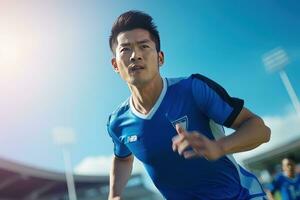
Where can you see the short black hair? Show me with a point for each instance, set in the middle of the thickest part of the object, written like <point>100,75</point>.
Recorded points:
<point>131,20</point>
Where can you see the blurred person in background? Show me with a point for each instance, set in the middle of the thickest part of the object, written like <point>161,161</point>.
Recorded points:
<point>287,182</point>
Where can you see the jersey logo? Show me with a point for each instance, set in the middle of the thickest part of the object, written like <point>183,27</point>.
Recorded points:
<point>131,138</point>
<point>182,121</point>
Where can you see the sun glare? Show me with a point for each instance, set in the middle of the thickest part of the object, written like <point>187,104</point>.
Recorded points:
<point>15,50</point>
<point>9,52</point>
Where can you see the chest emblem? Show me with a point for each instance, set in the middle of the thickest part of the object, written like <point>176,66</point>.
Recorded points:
<point>182,121</point>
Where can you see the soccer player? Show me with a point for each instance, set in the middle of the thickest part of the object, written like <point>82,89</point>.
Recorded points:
<point>172,124</point>
<point>287,182</point>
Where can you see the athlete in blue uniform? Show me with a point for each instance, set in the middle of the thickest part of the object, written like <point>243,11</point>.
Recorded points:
<point>174,126</point>
<point>287,182</point>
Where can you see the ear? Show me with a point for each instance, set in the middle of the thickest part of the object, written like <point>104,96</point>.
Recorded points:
<point>161,58</point>
<point>114,65</point>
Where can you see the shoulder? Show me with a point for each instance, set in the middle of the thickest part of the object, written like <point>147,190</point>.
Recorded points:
<point>198,85</point>
<point>201,80</point>
<point>173,82</point>
<point>279,177</point>
<point>119,111</point>
<point>188,81</point>
<point>198,77</point>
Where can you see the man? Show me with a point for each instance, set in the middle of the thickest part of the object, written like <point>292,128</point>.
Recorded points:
<point>287,182</point>
<point>171,124</point>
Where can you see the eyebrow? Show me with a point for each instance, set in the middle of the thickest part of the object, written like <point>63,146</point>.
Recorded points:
<point>139,42</point>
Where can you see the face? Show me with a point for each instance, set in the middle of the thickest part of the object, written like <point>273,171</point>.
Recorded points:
<point>136,58</point>
<point>288,167</point>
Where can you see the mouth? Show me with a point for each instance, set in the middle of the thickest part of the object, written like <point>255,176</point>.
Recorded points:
<point>135,68</point>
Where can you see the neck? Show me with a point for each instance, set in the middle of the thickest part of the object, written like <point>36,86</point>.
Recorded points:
<point>145,96</point>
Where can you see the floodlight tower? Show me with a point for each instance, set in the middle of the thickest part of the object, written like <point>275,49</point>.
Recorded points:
<point>276,60</point>
<point>65,138</point>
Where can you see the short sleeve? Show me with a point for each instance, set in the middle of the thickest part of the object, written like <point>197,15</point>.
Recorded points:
<point>214,101</point>
<point>120,149</point>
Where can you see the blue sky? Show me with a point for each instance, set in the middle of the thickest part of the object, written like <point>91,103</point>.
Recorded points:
<point>55,66</point>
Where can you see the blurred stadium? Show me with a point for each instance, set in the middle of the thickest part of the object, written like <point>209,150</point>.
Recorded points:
<point>19,181</point>
<point>267,164</point>
<point>39,84</point>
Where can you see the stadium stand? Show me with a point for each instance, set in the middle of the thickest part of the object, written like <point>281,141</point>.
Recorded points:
<point>21,182</point>
<point>271,160</point>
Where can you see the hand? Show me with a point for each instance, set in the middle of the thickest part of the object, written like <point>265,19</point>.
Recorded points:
<point>201,145</point>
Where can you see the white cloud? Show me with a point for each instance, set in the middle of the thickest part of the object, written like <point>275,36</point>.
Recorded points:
<point>100,165</point>
<point>284,129</point>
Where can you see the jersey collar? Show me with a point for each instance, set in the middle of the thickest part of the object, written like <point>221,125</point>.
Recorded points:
<point>156,105</point>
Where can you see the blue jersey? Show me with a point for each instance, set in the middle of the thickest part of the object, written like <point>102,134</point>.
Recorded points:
<point>198,104</point>
<point>289,187</point>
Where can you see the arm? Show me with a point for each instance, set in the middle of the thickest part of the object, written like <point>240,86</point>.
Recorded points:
<point>250,132</point>
<point>269,195</point>
<point>273,187</point>
<point>119,175</point>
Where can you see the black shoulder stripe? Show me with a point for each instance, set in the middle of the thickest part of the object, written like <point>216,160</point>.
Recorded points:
<point>236,103</point>
<point>215,86</point>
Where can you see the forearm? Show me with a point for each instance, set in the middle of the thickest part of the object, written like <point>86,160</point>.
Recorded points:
<point>250,134</point>
<point>269,195</point>
<point>119,175</point>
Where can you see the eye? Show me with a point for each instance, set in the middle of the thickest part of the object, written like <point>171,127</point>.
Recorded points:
<point>144,46</point>
<point>124,49</point>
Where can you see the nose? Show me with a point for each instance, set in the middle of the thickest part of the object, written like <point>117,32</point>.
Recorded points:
<point>135,55</point>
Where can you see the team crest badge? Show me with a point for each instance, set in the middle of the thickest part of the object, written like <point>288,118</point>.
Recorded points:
<point>183,122</point>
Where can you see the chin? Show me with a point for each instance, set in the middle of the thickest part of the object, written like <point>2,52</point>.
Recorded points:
<point>137,81</point>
